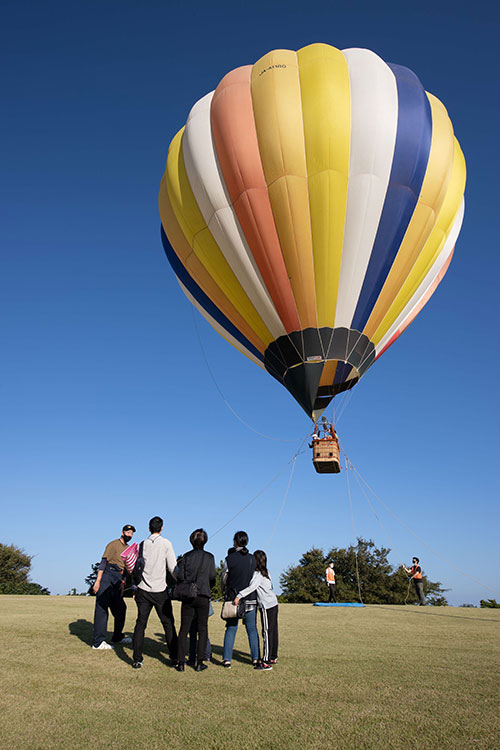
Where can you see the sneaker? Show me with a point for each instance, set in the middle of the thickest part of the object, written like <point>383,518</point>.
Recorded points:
<point>137,664</point>
<point>226,664</point>
<point>263,667</point>
<point>273,661</point>
<point>125,639</point>
<point>103,647</point>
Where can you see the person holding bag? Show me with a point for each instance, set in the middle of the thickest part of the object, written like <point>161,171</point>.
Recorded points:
<point>237,573</point>
<point>196,575</point>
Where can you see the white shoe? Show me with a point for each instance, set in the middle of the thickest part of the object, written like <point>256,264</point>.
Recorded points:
<point>103,647</point>
<point>125,639</point>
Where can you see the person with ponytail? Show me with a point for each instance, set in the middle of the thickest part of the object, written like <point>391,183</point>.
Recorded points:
<point>268,604</point>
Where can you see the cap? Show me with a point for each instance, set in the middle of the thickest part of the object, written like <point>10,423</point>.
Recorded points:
<point>128,527</point>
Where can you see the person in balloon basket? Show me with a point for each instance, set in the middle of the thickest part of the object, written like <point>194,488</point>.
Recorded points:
<point>267,602</point>
<point>330,580</point>
<point>108,589</point>
<point>239,567</point>
<point>196,566</point>
<point>415,573</point>
<point>159,557</point>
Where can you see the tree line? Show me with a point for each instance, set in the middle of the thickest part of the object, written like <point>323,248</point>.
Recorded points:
<point>15,567</point>
<point>379,581</point>
<point>362,571</point>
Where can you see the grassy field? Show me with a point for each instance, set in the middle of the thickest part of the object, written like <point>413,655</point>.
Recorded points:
<point>379,677</point>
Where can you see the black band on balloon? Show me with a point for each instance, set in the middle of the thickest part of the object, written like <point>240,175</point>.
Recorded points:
<point>297,361</point>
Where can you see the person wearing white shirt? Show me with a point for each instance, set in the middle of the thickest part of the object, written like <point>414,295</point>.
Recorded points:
<point>152,591</point>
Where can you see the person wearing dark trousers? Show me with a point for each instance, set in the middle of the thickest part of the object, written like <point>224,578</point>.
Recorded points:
<point>193,641</point>
<point>152,591</point>
<point>267,601</point>
<point>330,580</point>
<point>415,573</point>
<point>237,573</point>
<point>196,567</point>
<point>108,589</point>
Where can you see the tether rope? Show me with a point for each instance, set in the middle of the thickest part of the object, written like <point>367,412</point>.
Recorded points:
<point>294,460</point>
<point>255,497</point>
<point>353,532</point>
<point>431,549</point>
<point>370,505</point>
<point>248,426</point>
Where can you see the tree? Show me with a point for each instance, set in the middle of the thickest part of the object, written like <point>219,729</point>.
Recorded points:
<point>305,582</point>
<point>23,588</point>
<point>379,582</point>
<point>217,587</point>
<point>489,604</point>
<point>15,566</point>
<point>92,577</point>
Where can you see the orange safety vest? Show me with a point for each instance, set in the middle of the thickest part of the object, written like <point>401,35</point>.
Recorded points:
<point>330,575</point>
<point>414,573</point>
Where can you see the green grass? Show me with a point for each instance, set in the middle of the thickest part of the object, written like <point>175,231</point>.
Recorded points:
<point>379,677</point>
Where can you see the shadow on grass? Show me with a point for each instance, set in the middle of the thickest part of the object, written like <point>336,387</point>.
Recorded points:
<point>240,656</point>
<point>83,629</point>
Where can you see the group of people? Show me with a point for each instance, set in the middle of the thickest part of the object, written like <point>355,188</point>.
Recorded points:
<point>245,582</point>
<point>414,573</point>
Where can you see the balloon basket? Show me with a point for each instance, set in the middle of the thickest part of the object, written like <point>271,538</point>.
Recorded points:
<point>326,455</point>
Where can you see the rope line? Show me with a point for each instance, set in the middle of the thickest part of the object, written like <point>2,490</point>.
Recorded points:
<point>384,530</point>
<point>247,505</point>
<point>353,532</point>
<point>261,434</point>
<point>431,549</point>
<point>294,461</point>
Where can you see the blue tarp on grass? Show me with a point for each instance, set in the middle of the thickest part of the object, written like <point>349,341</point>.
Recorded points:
<point>339,604</point>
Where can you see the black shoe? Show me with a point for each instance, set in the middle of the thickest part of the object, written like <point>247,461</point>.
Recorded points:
<point>200,667</point>
<point>263,667</point>
<point>180,666</point>
<point>226,664</point>
<point>137,664</point>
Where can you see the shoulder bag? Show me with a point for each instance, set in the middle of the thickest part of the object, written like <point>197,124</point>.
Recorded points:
<point>186,591</point>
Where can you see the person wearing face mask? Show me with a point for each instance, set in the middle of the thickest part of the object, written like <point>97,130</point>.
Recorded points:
<point>108,589</point>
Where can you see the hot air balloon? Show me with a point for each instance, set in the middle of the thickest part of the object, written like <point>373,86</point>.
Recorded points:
<point>309,209</point>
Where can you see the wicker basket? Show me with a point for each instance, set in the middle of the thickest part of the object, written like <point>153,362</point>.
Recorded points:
<point>326,456</point>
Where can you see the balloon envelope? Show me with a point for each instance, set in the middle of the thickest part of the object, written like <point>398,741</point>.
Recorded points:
<point>309,209</point>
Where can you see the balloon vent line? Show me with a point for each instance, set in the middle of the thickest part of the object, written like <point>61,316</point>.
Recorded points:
<point>240,419</point>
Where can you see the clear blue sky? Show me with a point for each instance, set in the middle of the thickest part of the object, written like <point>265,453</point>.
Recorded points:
<point>108,411</point>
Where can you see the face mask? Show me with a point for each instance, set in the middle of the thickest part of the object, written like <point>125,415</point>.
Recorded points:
<point>126,539</point>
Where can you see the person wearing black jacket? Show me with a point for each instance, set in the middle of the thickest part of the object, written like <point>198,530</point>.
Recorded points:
<point>197,567</point>
<point>238,570</point>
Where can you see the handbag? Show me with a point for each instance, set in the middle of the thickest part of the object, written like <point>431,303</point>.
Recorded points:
<point>229,611</point>
<point>185,591</point>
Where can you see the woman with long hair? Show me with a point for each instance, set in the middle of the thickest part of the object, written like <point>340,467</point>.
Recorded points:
<point>267,601</point>
<point>237,573</point>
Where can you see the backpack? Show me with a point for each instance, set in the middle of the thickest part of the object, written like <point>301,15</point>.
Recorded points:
<point>139,566</point>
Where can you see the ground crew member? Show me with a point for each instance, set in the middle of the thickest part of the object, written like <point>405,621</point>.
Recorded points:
<point>330,580</point>
<point>415,573</point>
